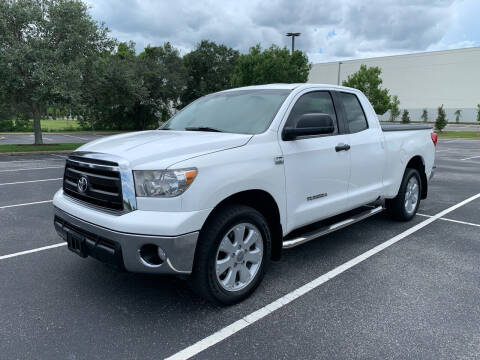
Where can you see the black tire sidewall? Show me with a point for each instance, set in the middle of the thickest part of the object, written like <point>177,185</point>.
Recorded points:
<point>409,173</point>
<point>213,235</point>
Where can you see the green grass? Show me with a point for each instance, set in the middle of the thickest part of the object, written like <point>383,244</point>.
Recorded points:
<point>60,125</point>
<point>44,147</point>
<point>459,135</point>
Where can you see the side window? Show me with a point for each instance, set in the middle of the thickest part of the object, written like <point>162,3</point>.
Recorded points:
<point>313,102</point>
<point>353,112</point>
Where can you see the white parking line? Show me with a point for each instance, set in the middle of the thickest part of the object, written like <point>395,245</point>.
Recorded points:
<point>473,157</point>
<point>248,320</point>
<point>60,156</point>
<point>32,251</point>
<point>22,161</point>
<point>30,181</point>
<point>452,220</point>
<point>43,168</point>
<point>76,137</point>
<point>31,203</point>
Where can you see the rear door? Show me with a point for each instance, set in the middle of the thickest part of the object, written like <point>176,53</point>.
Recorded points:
<point>316,174</point>
<point>367,154</point>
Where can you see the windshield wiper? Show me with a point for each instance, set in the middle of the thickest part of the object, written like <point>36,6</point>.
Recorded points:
<point>202,128</point>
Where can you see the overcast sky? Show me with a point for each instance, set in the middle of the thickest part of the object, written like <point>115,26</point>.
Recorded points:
<point>331,29</point>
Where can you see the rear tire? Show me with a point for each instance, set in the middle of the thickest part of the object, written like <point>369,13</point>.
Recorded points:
<point>232,255</point>
<point>405,205</point>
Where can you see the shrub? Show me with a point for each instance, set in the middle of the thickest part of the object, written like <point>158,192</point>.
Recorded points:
<point>441,121</point>
<point>405,117</point>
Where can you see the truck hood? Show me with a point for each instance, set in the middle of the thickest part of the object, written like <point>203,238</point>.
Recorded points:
<point>163,148</point>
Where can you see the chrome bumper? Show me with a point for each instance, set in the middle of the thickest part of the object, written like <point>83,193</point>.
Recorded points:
<point>123,249</point>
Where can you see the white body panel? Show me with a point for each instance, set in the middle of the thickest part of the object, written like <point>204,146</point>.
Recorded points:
<point>231,163</point>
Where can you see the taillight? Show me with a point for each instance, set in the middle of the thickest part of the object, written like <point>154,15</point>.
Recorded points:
<point>434,137</point>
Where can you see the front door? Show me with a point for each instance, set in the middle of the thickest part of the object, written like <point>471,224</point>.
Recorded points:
<point>316,174</point>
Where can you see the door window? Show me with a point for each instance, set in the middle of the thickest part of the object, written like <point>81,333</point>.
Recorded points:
<point>353,112</point>
<point>313,102</point>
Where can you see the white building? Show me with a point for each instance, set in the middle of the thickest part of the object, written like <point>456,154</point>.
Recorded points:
<point>421,81</point>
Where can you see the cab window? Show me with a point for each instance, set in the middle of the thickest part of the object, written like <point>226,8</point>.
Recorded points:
<point>313,102</point>
<point>356,120</point>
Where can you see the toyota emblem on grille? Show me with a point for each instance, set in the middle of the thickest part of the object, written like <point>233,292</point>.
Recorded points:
<point>82,184</point>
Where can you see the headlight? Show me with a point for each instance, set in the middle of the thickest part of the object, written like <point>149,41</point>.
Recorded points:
<point>163,183</point>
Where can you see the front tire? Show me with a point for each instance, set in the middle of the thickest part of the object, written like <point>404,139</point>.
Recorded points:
<point>232,254</point>
<point>405,205</point>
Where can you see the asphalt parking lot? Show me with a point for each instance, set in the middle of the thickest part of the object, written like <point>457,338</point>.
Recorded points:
<point>377,289</point>
<point>49,138</point>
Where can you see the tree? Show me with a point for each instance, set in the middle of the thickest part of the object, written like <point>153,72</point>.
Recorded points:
<point>424,115</point>
<point>44,46</point>
<point>209,69</point>
<point>478,112</point>
<point>405,117</point>
<point>164,77</point>
<point>368,80</point>
<point>112,85</point>
<point>394,108</point>
<point>273,65</point>
<point>441,121</point>
<point>458,115</point>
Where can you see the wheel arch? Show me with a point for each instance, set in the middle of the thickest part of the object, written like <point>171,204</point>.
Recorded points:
<point>418,163</point>
<point>263,202</point>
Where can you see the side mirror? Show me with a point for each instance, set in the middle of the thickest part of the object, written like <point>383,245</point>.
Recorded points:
<point>309,124</point>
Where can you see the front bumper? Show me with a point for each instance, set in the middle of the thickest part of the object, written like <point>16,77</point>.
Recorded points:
<point>123,249</point>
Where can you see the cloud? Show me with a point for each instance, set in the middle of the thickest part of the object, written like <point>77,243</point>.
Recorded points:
<point>331,29</point>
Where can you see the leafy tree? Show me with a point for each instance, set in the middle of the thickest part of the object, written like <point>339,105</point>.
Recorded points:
<point>209,68</point>
<point>164,77</point>
<point>405,117</point>
<point>478,112</point>
<point>368,80</point>
<point>394,108</point>
<point>112,85</point>
<point>424,115</point>
<point>44,46</point>
<point>128,92</point>
<point>458,115</point>
<point>441,121</point>
<point>273,65</point>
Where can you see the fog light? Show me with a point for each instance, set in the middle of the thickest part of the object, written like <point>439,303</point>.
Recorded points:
<point>152,255</point>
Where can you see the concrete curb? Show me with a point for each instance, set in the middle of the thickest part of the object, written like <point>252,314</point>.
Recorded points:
<point>36,152</point>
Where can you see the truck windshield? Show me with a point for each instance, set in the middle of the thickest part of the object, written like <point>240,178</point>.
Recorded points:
<point>239,111</point>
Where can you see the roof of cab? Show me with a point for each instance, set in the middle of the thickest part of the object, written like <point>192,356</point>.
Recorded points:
<point>282,86</point>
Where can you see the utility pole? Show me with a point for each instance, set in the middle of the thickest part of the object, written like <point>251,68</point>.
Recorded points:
<point>339,70</point>
<point>293,35</point>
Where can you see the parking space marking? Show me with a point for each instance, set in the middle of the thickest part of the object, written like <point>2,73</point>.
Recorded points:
<point>26,204</point>
<point>22,161</point>
<point>30,181</point>
<point>257,315</point>
<point>43,168</point>
<point>452,220</point>
<point>76,137</point>
<point>472,157</point>
<point>8,256</point>
<point>60,156</point>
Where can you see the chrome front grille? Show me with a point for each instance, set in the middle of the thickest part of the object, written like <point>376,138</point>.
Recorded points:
<point>94,181</point>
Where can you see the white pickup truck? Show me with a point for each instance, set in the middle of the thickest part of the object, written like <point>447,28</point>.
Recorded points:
<point>234,178</point>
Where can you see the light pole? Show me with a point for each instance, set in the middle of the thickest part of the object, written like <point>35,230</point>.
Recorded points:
<point>293,35</point>
<point>339,70</point>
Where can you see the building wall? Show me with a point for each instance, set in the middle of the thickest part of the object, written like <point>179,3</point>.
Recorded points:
<point>424,80</point>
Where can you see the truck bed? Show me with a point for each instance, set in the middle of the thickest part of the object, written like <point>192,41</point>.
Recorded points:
<point>404,127</point>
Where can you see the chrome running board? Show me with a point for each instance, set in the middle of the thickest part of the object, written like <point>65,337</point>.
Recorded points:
<point>311,235</point>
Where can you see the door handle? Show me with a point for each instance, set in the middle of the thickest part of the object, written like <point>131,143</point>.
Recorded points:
<point>342,147</point>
